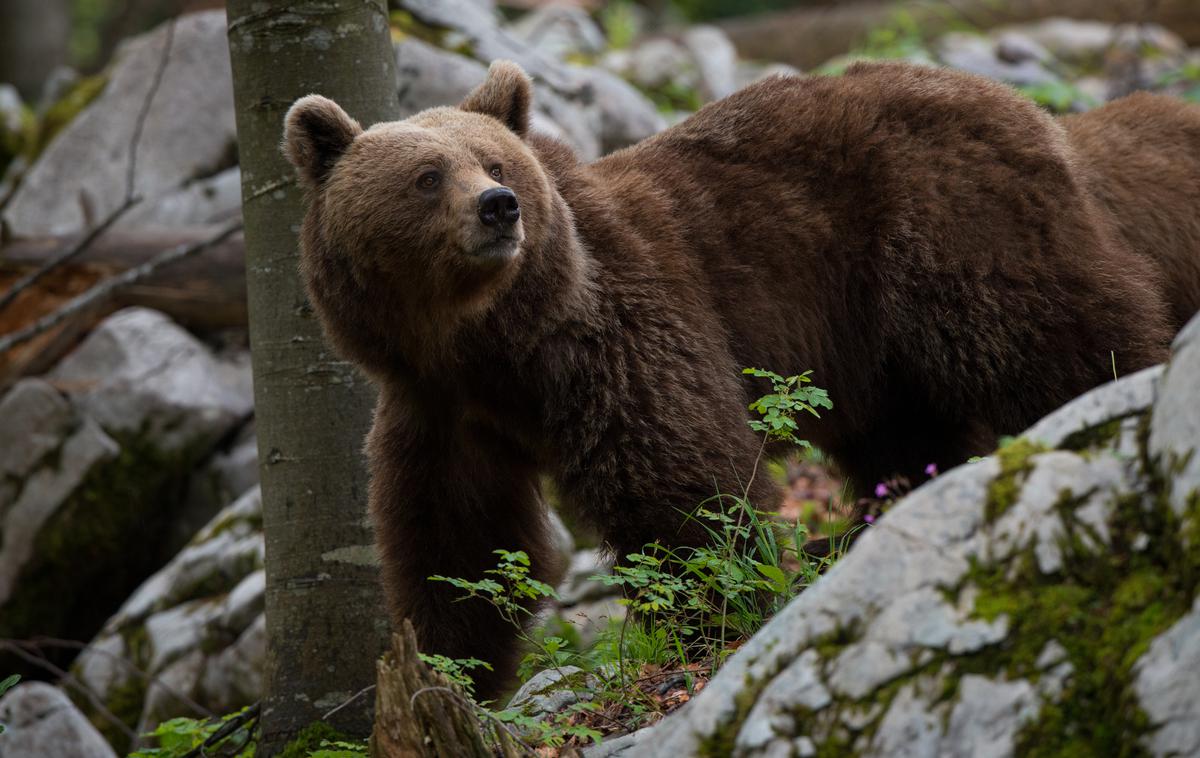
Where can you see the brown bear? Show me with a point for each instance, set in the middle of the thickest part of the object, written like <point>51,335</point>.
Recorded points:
<point>927,242</point>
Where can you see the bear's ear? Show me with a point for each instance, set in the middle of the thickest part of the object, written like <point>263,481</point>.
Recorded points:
<point>506,95</point>
<point>316,133</point>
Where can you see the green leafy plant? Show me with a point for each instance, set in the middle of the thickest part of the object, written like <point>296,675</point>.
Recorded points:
<point>1187,78</point>
<point>620,22</point>
<point>689,606</point>
<point>1057,96</point>
<point>789,398</point>
<point>340,749</point>
<point>181,736</point>
<point>456,670</point>
<point>7,684</point>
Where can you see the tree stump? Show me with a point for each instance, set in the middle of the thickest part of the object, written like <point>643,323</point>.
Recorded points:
<point>420,713</point>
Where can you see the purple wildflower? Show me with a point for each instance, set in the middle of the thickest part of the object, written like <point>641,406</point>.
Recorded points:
<point>869,518</point>
<point>931,470</point>
<point>881,490</point>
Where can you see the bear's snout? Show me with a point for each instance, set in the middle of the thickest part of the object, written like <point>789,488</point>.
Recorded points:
<point>498,207</point>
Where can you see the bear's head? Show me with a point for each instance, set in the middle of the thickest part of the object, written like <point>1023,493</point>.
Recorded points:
<point>414,226</point>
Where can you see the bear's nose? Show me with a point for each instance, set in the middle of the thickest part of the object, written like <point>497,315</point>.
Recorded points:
<point>498,207</point>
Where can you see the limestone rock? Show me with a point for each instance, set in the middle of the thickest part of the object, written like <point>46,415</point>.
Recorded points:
<point>188,134</point>
<point>577,586</point>
<point>980,55</point>
<point>1082,41</point>
<point>588,108</point>
<point>715,58</point>
<point>40,720</point>
<point>430,76</point>
<point>1084,419</point>
<point>550,691</point>
<point>1168,688</point>
<point>195,627</point>
<point>1175,428</point>
<point>560,31</point>
<point>138,373</point>
<point>482,34</point>
<point>206,200</point>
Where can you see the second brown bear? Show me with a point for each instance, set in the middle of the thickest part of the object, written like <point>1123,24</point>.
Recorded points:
<point>929,243</point>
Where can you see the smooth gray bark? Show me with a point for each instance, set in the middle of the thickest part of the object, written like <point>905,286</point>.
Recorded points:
<point>325,618</point>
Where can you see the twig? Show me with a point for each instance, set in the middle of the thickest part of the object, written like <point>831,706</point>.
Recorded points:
<point>40,661</point>
<point>348,701</point>
<point>84,243</point>
<point>106,288</point>
<point>229,727</point>
<point>130,178</point>
<point>150,679</point>
<point>140,124</point>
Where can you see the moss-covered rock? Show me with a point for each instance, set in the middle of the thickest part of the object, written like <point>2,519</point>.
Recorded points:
<point>101,475</point>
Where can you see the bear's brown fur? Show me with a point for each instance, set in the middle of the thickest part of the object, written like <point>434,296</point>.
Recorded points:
<point>928,242</point>
<point>1142,160</point>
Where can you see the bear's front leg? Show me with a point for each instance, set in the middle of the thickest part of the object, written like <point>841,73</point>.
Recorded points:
<point>444,497</point>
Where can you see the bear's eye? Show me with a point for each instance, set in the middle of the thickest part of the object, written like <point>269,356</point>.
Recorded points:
<point>496,172</point>
<point>429,180</point>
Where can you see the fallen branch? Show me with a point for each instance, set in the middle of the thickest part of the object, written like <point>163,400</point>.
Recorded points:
<point>150,679</point>
<point>245,718</point>
<point>130,182</point>
<point>70,253</point>
<point>39,660</point>
<point>101,292</point>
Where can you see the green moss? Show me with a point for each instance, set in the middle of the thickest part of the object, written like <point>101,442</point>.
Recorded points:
<point>310,738</point>
<point>1104,607</point>
<point>405,24</point>
<point>109,526</point>
<point>721,741</point>
<point>1093,436</point>
<point>1015,465</point>
<point>125,701</point>
<point>66,109</point>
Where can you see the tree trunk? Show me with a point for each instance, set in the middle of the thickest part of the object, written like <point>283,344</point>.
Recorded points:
<point>420,714</point>
<point>325,620</point>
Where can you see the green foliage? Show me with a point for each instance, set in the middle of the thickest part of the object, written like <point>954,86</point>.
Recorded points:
<point>689,606</point>
<point>673,96</point>
<point>178,737</point>
<point>340,749</point>
<point>7,684</point>
<point>704,10</point>
<point>554,732</point>
<point>1187,78</point>
<point>320,740</point>
<point>620,23</point>
<point>508,587</point>
<point>789,398</point>
<point>456,669</point>
<point>692,601</point>
<point>1057,96</point>
<point>901,37</point>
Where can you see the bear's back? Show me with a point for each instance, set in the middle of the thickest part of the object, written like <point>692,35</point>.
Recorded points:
<point>898,226</point>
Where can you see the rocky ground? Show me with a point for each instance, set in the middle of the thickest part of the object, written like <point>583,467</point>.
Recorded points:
<point>127,447</point>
